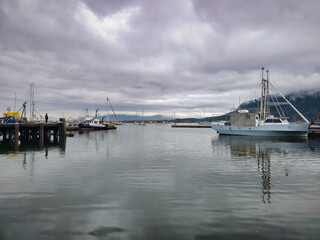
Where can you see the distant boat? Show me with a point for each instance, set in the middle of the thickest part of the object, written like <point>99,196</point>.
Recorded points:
<point>72,125</point>
<point>263,123</point>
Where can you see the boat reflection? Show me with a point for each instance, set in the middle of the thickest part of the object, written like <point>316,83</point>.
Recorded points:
<point>268,154</point>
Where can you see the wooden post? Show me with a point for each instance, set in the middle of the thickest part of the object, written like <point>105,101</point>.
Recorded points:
<point>62,127</point>
<point>16,137</point>
<point>41,134</point>
<point>27,133</point>
<point>10,133</point>
<point>16,131</point>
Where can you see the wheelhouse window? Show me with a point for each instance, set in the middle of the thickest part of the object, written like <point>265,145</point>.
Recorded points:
<point>276,120</point>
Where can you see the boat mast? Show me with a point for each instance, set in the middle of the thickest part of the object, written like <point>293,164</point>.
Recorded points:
<point>265,93</point>
<point>264,106</point>
<point>268,96</point>
<point>262,95</point>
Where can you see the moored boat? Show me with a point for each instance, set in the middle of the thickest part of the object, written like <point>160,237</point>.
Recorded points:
<point>263,123</point>
<point>95,124</point>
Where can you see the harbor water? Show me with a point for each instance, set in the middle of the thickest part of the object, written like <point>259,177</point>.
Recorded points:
<point>157,182</point>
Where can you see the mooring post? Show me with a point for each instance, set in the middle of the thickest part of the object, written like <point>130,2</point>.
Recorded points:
<point>16,131</point>
<point>16,137</point>
<point>62,127</point>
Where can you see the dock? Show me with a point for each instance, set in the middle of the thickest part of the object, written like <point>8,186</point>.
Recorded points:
<point>314,130</point>
<point>32,130</point>
<point>190,126</point>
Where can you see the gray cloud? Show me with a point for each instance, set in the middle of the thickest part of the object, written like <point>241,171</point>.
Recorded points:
<point>161,56</point>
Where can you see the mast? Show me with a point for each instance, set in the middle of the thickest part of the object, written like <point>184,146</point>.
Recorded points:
<point>262,88</point>
<point>268,97</point>
<point>31,101</point>
<point>15,100</point>
<point>265,84</point>
<point>264,106</point>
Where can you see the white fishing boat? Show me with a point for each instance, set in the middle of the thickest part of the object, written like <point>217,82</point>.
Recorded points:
<point>263,123</point>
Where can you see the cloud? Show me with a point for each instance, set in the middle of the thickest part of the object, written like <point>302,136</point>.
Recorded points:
<point>161,56</point>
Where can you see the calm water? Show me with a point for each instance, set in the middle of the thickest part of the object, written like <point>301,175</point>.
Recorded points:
<point>157,182</point>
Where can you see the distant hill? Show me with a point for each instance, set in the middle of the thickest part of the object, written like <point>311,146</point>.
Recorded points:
<point>307,103</point>
<point>124,117</point>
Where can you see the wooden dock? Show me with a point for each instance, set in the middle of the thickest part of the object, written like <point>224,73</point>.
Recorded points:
<point>32,130</point>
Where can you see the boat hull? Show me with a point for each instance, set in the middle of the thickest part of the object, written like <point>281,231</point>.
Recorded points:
<point>88,127</point>
<point>281,130</point>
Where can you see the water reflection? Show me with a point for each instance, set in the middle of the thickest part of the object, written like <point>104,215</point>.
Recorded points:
<point>11,146</point>
<point>267,153</point>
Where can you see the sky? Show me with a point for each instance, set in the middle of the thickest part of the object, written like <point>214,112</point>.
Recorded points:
<point>182,58</point>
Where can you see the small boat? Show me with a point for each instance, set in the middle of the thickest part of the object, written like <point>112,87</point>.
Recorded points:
<point>72,125</point>
<point>263,123</point>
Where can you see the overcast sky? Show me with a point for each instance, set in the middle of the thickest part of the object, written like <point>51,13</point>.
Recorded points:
<point>179,56</point>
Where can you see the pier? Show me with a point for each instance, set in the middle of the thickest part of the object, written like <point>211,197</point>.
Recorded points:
<point>33,130</point>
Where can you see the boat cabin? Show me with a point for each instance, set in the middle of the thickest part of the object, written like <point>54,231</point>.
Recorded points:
<point>271,120</point>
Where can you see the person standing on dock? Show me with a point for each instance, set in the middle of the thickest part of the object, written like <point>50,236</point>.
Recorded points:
<point>46,117</point>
